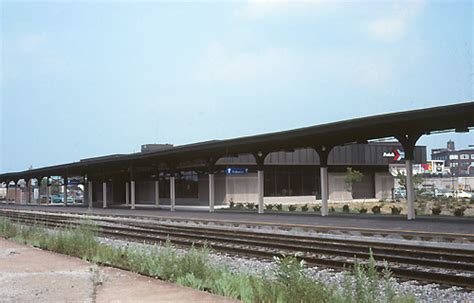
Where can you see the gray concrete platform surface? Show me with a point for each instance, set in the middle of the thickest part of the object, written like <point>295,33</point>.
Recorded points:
<point>28,274</point>
<point>431,224</point>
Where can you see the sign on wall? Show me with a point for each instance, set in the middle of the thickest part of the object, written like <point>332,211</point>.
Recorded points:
<point>433,167</point>
<point>236,170</point>
<point>396,154</point>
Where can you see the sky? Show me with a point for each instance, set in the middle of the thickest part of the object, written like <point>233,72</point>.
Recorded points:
<point>89,78</point>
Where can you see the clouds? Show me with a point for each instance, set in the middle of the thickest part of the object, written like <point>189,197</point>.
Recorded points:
<point>259,9</point>
<point>31,53</point>
<point>396,23</point>
<point>220,64</point>
<point>31,42</point>
<point>353,51</point>
<point>388,21</point>
<point>270,66</point>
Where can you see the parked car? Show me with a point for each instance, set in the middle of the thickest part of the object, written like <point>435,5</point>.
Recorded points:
<point>60,199</point>
<point>459,194</point>
<point>399,193</point>
<point>428,193</point>
<point>439,193</point>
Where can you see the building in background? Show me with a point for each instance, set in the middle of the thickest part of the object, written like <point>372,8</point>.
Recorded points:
<point>459,162</point>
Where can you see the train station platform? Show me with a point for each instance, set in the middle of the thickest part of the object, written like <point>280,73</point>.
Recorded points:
<point>443,225</point>
<point>29,274</point>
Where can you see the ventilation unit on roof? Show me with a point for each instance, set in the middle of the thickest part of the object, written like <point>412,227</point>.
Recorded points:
<point>155,147</point>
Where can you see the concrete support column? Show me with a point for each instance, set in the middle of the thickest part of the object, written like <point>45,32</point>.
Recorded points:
<point>7,197</point>
<point>260,191</point>
<point>28,191</point>
<point>48,191</point>
<point>89,192</point>
<point>410,190</point>
<point>132,194</point>
<point>104,194</point>
<point>157,193</point>
<point>408,142</point>
<point>323,153</point>
<point>127,193</point>
<point>324,191</point>
<point>20,194</point>
<point>172,193</point>
<point>211,193</point>
<point>65,190</point>
<point>38,180</point>
<point>260,159</point>
<point>16,193</point>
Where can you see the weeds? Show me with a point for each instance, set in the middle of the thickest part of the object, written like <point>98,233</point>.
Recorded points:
<point>288,282</point>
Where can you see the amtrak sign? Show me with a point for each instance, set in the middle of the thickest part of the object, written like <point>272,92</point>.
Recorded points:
<point>236,170</point>
<point>396,154</point>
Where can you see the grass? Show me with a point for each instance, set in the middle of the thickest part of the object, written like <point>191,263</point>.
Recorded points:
<point>288,282</point>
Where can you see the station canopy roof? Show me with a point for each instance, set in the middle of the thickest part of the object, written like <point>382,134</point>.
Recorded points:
<point>457,117</point>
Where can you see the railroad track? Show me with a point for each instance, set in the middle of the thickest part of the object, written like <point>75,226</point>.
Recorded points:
<point>445,266</point>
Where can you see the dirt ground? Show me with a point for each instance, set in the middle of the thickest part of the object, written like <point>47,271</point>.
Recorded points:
<point>28,274</point>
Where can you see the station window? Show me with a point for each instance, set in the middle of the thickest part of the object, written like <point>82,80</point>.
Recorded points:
<point>186,186</point>
<point>291,181</point>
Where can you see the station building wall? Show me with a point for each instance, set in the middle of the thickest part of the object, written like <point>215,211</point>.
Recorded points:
<point>242,188</point>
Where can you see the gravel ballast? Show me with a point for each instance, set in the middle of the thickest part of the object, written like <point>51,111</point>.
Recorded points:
<point>422,292</point>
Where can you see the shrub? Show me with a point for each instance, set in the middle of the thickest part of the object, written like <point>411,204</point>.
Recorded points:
<point>239,205</point>
<point>436,210</point>
<point>345,208</point>
<point>292,207</point>
<point>305,208</point>
<point>376,209</point>
<point>231,204</point>
<point>250,205</point>
<point>332,209</point>
<point>279,206</point>
<point>459,211</point>
<point>396,210</point>
<point>363,210</point>
<point>269,206</point>
<point>317,208</point>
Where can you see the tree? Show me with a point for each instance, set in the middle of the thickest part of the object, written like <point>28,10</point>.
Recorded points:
<point>402,180</point>
<point>352,176</point>
<point>417,182</point>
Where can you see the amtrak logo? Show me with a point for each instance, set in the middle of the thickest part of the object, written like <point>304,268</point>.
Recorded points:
<point>396,154</point>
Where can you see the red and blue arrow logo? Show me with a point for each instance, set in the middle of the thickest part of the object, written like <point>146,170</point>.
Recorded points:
<point>398,154</point>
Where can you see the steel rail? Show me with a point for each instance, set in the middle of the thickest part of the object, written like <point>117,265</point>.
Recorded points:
<point>238,244</point>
